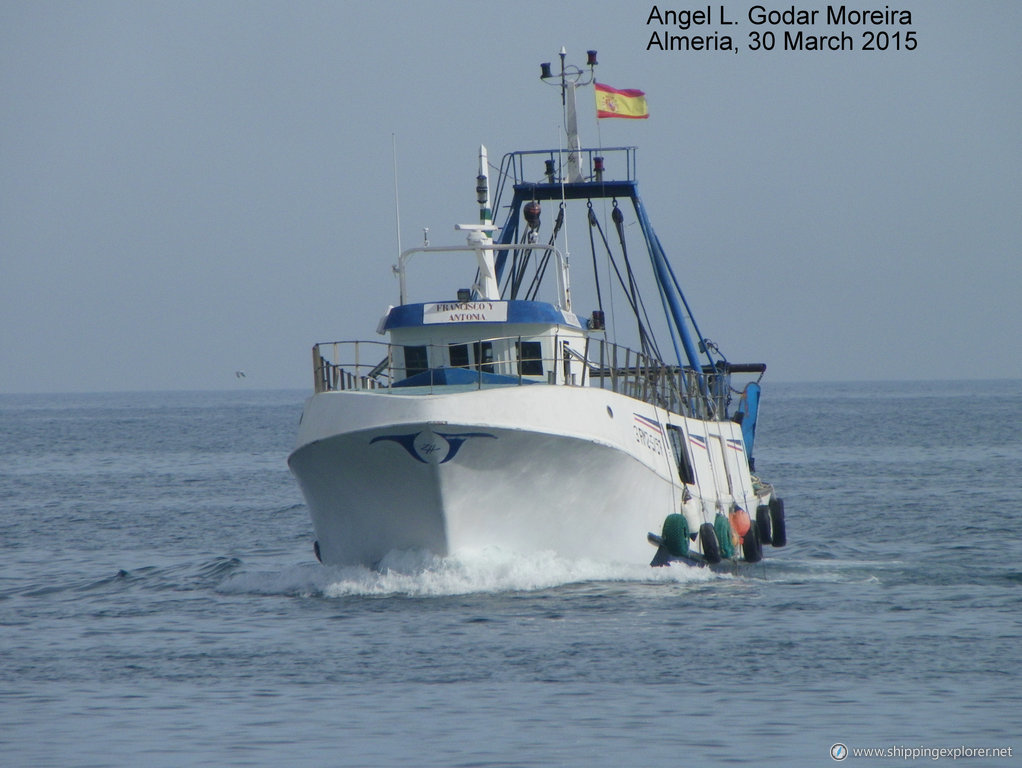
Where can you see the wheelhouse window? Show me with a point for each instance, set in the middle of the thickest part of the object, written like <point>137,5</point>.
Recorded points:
<point>416,360</point>
<point>459,355</point>
<point>530,358</point>
<point>677,440</point>
<point>484,355</point>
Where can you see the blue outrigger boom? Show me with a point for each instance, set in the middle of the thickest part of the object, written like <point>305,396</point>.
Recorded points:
<point>698,356</point>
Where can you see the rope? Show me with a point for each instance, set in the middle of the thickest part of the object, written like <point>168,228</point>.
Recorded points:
<point>592,248</point>
<point>516,284</point>
<point>541,269</point>
<point>648,343</point>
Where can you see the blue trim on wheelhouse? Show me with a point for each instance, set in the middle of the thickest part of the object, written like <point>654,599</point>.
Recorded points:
<point>518,312</point>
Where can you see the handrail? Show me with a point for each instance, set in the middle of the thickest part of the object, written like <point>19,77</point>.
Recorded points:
<point>563,299</point>
<point>339,365</point>
<point>512,167</point>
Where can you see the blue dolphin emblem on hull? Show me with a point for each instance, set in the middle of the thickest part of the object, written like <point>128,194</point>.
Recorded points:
<point>410,443</point>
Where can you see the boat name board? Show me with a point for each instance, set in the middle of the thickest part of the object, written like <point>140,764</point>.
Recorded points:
<point>465,312</point>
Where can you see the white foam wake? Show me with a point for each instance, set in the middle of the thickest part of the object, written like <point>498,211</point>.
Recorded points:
<point>417,574</point>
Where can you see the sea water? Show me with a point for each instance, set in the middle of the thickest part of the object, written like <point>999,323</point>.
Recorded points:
<point>160,604</point>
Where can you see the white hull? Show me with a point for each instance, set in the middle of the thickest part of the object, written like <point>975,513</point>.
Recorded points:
<point>494,418</point>
<point>581,471</point>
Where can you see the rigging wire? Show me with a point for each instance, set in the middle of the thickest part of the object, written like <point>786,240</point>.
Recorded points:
<point>618,219</point>
<point>509,277</point>
<point>610,258</point>
<point>519,267</point>
<point>646,340</point>
<point>541,268</point>
<point>592,248</point>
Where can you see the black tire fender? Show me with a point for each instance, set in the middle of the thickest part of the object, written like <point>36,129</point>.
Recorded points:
<point>763,523</point>
<point>778,533</point>
<point>752,547</point>
<point>708,542</point>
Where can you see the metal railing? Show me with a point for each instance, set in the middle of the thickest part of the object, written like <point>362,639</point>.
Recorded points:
<point>377,365</point>
<point>522,166</point>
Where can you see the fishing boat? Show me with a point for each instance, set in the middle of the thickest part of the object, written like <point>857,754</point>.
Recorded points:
<point>497,415</point>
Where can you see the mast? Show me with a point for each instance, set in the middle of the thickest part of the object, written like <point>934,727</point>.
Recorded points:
<point>571,125</point>
<point>479,239</point>
<point>572,182</point>
<point>571,77</point>
<point>483,188</point>
<point>480,235</point>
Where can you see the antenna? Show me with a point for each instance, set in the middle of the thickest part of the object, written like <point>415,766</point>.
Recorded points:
<point>397,200</point>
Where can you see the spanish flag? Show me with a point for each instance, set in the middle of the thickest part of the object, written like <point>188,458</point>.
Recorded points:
<point>610,102</point>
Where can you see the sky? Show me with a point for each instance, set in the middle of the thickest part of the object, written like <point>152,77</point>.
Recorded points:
<point>189,189</point>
